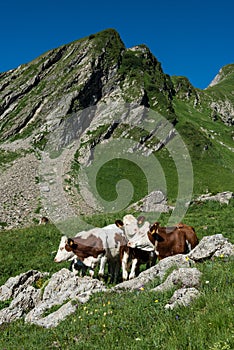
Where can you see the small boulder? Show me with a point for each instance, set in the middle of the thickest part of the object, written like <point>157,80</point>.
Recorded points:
<point>183,277</point>
<point>211,246</point>
<point>182,297</point>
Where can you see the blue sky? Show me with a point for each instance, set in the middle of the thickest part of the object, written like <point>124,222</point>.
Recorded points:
<point>190,38</point>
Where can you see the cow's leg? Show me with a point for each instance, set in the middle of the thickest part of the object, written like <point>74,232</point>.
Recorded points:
<point>73,266</point>
<point>133,269</point>
<point>102,266</point>
<point>125,266</point>
<point>117,271</point>
<point>91,272</point>
<point>113,270</point>
<point>152,260</point>
<point>188,246</point>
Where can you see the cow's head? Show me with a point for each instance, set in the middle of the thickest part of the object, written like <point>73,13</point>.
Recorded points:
<point>130,224</point>
<point>153,235</point>
<point>62,253</point>
<point>135,230</point>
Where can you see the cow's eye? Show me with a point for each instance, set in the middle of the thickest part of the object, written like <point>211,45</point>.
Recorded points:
<point>62,248</point>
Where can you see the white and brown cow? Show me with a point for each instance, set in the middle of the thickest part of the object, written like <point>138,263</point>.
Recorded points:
<point>87,264</point>
<point>98,245</point>
<point>139,249</point>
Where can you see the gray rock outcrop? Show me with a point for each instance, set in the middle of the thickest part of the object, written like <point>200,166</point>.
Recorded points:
<point>33,303</point>
<point>222,197</point>
<point>212,246</point>
<point>63,286</point>
<point>185,277</point>
<point>153,202</point>
<point>159,270</point>
<point>14,285</point>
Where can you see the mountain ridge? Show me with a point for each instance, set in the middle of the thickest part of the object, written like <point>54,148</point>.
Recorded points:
<point>98,70</point>
<point>138,58</point>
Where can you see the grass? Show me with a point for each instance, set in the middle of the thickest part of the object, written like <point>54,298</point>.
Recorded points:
<point>212,161</point>
<point>30,248</point>
<point>117,169</point>
<point>8,157</point>
<point>136,320</point>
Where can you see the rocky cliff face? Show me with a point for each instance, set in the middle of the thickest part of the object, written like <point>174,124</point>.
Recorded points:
<point>93,72</point>
<point>221,92</point>
<point>37,96</point>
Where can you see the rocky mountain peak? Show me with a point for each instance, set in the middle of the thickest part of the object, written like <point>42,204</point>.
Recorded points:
<point>223,74</point>
<point>38,95</point>
<point>217,78</point>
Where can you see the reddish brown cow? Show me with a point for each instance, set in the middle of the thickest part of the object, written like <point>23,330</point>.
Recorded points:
<point>167,242</point>
<point>190,235</point>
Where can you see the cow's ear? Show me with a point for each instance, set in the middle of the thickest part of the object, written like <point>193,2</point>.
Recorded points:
<point>119,223</point>
<point>70,242</point>
<point>153,228</point>
<point>141,220</point>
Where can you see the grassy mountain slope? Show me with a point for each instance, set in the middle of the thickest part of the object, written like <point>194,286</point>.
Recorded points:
<point>99,70</point>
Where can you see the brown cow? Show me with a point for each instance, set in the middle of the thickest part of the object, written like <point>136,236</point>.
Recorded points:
<point>190,235</point>
<point>167,242</point>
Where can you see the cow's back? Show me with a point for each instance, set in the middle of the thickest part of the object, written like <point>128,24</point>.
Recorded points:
<point>113,242</point>
<point>173,243</point>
